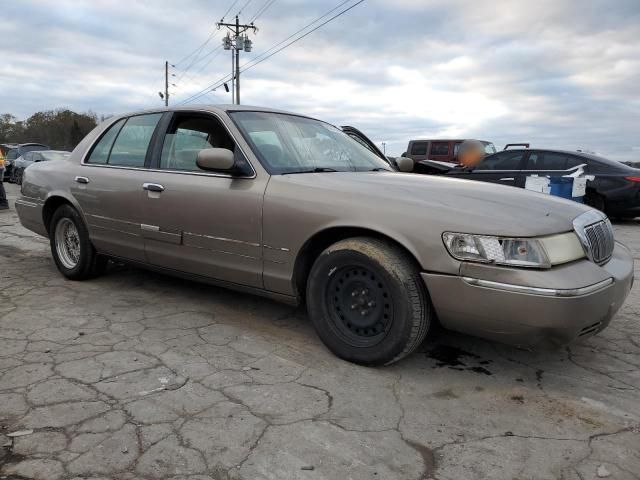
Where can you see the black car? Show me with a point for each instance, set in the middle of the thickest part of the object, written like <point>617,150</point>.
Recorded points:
<point>17,172</point>
<point>615,189</point>
<point>16,151</point>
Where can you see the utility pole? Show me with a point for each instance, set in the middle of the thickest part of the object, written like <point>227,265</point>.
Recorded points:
<point>236,44</point>
<point>165,96</point>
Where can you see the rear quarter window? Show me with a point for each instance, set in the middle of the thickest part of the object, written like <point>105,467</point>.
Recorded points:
<point>100,153</point>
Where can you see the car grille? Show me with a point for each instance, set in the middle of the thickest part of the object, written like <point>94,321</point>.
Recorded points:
<point>601,241</point>
<point>596,235</point>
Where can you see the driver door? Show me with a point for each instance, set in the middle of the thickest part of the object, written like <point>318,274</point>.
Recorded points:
<point>204,223</point>
<point>502,168</point>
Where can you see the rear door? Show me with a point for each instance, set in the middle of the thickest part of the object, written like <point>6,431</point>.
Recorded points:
<point>109,186</point>
<point>502,168</point>
<point>204,223</point>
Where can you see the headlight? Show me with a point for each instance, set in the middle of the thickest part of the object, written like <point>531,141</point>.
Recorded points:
<point>541,252</point>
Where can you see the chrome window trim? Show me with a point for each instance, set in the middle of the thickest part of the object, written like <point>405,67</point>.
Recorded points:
<point>84,163</point>
<point>545,292</point>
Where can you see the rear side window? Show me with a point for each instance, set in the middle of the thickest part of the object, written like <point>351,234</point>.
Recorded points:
<point>552,161</point>
<point>126,142</point>
<point>100,153</point>
<point>440,148</point>
<point>130,147</point>
<point>419,148</point>
<point>502,161</point>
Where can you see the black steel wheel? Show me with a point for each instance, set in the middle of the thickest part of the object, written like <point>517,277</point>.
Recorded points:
<point>360,306</point>
<point>367,301</point>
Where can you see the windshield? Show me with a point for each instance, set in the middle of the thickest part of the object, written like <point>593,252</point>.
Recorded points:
<point>291,144</point>
<point>489,148</point>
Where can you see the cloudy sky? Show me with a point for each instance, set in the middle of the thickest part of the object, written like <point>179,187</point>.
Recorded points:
<point>556,73</point>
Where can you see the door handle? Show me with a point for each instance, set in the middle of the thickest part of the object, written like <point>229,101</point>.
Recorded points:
<point>83,180</point>
<point>507,179</point>
<point>153,187</point>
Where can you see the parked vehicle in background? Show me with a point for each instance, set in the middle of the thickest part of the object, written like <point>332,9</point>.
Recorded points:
<point>363,140</point>
<point>293,208</point>
<point>4,149</point>
<point>17,150</point>
<point>36,156</point>
<point>615,189</point>
<point>440,150</point>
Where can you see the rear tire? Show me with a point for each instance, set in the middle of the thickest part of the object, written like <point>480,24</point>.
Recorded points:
<point>368,302</point>
<point>71,247</point>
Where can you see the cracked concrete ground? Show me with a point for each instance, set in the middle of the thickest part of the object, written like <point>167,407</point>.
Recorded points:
<point>140,376</point>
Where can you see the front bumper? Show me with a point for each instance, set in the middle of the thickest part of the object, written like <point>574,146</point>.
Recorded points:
<point>533,307</point>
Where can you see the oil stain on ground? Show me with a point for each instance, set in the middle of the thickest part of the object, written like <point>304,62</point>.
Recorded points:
<point>458,359</point>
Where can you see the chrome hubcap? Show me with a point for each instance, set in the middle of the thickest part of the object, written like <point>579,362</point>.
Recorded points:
<point>67,241</point>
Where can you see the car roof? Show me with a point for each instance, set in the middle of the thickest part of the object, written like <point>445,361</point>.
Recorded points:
<point>588,156</point>
<point>222,108</point>
<point>446,140</point>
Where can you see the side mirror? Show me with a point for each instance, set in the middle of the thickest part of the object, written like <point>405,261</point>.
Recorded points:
<point>215,159</point>
<point>405,164</point>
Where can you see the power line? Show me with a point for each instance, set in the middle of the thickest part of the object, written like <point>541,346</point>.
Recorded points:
<point>341,4</point>
<point>261,10</point>
<point>243,7</point>
<point>228,10</point>
<point>266,55</point>
<point>303,36</point>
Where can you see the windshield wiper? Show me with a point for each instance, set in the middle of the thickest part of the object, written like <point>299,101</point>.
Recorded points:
<point>312,170</point>
<point>380,169</point>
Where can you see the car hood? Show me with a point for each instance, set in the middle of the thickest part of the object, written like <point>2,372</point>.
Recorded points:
<point>448,204</point>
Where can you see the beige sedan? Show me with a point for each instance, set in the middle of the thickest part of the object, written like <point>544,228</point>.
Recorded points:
<point>292,208</point>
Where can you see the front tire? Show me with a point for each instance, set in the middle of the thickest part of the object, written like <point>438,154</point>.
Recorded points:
<point>367,301</point>
<point>71,247</point>
<point>596,201</point>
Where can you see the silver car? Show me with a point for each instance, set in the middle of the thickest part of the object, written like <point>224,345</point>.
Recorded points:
<point>292,208</point>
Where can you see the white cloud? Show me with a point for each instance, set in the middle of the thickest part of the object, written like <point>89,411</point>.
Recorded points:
<point>560,73</point>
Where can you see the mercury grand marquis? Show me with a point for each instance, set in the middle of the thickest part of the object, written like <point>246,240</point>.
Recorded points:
<point>293,208</point>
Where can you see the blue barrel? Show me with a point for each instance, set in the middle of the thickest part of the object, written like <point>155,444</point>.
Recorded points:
<point>563,187</point>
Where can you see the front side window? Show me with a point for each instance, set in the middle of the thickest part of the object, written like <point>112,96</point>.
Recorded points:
<point>13,154</point>
<point>502,161</point>
<point>440,148</point>
<point>187,136</point>
<point>292,144</point>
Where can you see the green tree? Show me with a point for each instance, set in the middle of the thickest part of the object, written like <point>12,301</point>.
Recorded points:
<point>61,129</point>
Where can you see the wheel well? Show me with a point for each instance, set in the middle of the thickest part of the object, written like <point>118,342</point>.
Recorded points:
<point>313,247</point>
<point>50,206</point>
